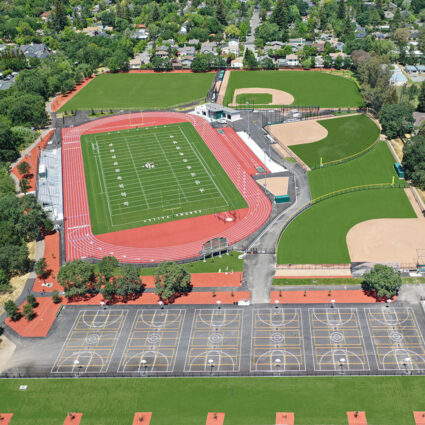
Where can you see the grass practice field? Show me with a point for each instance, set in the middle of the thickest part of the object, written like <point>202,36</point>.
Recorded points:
<point>346,136</point>
<point>254,98</point>
<point>151,175</point>
<point>245,401</point>
<point>376,166</point>
<point>318,235</point>
<point>308,88</point>
<point>140,91</point>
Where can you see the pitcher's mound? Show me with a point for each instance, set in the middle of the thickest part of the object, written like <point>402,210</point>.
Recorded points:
<point>279,97</point>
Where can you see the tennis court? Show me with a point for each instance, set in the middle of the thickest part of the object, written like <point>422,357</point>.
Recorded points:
<point>149,175</point>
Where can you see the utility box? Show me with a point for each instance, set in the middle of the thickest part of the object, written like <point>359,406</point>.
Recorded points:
<point>399,170</point>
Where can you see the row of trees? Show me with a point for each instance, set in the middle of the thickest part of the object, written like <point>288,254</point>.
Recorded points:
<point>79,278</point>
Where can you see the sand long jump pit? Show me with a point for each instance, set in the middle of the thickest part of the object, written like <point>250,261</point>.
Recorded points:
<point>279,97</point>
<point>400,240</point>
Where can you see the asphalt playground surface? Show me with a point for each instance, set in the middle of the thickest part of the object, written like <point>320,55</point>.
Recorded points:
<point>205,340</point>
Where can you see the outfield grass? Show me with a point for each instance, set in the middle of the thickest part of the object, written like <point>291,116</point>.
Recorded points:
<point>346,136</point>
<point>140,91</point>
<point>151,175</point>
<point>318,235</point>
<point>308,88</point>
<point>245,401</point>
<point>374,167</point>
<point>254,98</point>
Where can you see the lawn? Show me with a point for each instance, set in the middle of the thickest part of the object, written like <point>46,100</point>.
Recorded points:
<point>376,166</point>
<point>211,265</point>
<point>185,401</point>
<point>346,136</point>
<point>318,235</point>
<point>336,281</point>
<point>308,88</point>
<point>140,91</point>
<point>254,98</point>
<point>151,175</point>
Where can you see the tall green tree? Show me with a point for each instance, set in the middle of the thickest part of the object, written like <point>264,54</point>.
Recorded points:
<point>220,12</point>
<point>421,98</point>
<point>280,14</point>
<point>171,279</point>
<point>107,267</point>
<point>76,277</point>
<point>383,281</point>
<point>396,119</point>
<point>414,160</point>
<point>341,10</point>
<point>59,16</point>
<point>12,310</point>
<point>128,282</point>
<point>40,267</point>
<point>249,60</point>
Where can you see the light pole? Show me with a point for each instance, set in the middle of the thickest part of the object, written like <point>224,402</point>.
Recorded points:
<point>332,303</point>
<point>388,303</point>
<point>161,304</point>
<point>103,304</point>
<point>249,133</point>
<point>76,365</point>
<point>341,363</point>
<point>145,365</point>
<point>211,363</point>
<point>276,304</point>
<point>277,363</point>
<point>406,364</point>
<point>218,302</point>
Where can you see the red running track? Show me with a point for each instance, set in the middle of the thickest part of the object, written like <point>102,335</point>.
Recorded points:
<point>141,245</point>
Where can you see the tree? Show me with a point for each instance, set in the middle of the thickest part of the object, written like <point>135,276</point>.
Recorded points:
<point>129,282</point>
<point>220,12</point>
<point>59,16</point>
<point>32,301</point>
<point>23,168</point>
<point>414,160</point>
<point>40,267</point>
<point>421,98</point>
<point>383,281</point>
<point>249,60</point>
<point>4,282</point>
<point>233,31</point>
<point>76,278</point>
<point>280,14</point>
<point>171,279</point>
<point>341,10</point>
<point>24,185</point>
<point>200,63</point>
<point>28,312</point>
<point>268,63</point>
<point>56,297</point>
<point>12,310</point>
<point>396,120</point>
<point>107,267</point>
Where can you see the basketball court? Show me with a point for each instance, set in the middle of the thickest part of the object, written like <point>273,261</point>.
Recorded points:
<point>397,340</point>
<point>277,340</point>
<point>153,341</point>
<point>215,341</point>
<point>91,342</point>
<point>337,340</point>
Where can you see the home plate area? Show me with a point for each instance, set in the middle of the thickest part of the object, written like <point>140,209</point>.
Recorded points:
<point>396,339</point>
<point>215,341</point>
<point>153,341</point>
<point>91,342</point>
<point>277,340</point>
<point>337,340</point>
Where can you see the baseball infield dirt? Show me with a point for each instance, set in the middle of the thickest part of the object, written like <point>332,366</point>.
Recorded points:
<point>279,97</point>
<point>275,185</point>
<point>298,133</point>
<point>388,240</point>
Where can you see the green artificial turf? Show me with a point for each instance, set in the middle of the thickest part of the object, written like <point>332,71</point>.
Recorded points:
<point>308,88</point>
<point>151,175</point>
<point>140,91</point>
<point>374,167</point>
<point>318,235</point>
<point>346,137</point>
<point>187,401</point>
<point>254,98</point>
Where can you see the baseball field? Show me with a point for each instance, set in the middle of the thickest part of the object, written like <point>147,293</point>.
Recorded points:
<point>307,88</point>
<point>318,235</point>
<point>347,136</point>
<point>245,401</point>
<point>151,175</point>
<point>140,91</point>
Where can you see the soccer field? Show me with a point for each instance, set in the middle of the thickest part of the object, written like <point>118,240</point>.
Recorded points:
<point>150,175</point>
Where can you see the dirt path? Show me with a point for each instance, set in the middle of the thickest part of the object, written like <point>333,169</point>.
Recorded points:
<point>279,97</point>
<point>223,88</point>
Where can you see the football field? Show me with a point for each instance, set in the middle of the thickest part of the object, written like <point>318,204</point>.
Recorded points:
<point>149,175</point>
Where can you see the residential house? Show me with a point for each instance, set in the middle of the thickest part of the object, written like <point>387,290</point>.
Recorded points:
<point>281,63</point>
<point>46,16</point>
<point>320,46</point>
<point>209,47</point>
<point>177,64</point>
<point>292,60</point>
<point>187,51</point>
<point>94,30</point>
<point>183,28</point>
<point>161,51</point>
<point>141,34</point>
<point>339,45</point>
<point>360,32</point>
<point>237,63</point>
<point>186,61</point>
<point>39,51</point>
<point>274,45</point>
<point>139,60</point>
<point>421,69</point>
<point>296,43</point>
<point>388,14</point>
<point>410,69</point>
<point>231,47</point>
<point>170,42</point>
<point>319,62</point>
<point>193,42</point>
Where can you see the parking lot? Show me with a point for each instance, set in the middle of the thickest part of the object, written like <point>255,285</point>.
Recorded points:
<point>192,340</point>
